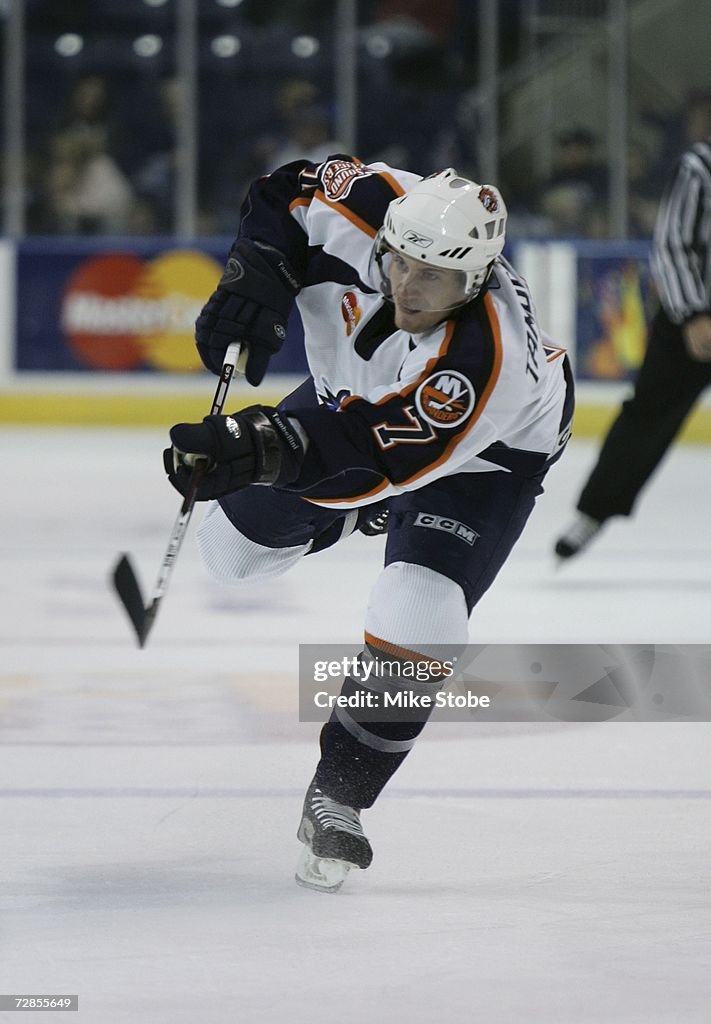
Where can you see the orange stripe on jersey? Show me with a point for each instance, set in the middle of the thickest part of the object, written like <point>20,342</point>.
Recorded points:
<point>393,183</point>
<point>498,356</point>
<point>299,202</point>
<point>481,404</point>
<point>357,221</point>
<point>431,364</point>
<point>429,369</point>
<point>350,497</point>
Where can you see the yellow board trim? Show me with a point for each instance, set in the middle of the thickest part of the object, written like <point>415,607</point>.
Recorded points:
<point>593,421</point>
<point>162,410</point>
<point>137,410</point>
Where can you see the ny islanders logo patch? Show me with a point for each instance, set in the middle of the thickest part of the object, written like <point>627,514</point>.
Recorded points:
<point>445,399</point>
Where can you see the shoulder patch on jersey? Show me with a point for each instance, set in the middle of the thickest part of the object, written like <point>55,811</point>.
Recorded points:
<point>337,178</point>
<point>446,398</point>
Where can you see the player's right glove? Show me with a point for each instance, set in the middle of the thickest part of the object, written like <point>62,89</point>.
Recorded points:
<point>258,445</point>
<point>251,304</point>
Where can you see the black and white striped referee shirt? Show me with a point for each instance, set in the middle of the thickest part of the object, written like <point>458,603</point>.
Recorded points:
<point>680,259</point>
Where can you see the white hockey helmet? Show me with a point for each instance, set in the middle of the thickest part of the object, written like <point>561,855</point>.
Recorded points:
<point>446,221</point>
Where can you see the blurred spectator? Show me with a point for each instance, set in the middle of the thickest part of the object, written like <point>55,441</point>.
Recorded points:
<point>298,128</point>
<point>414,24</point>
<point>575,197</point>
<point>644,190</point>
<point>80,186</point>
<point>697,119</point>
<point>691,123</point>
<point>86,192</point>
<point>648,160</point>
<point>88,112</point>
<point>418,37</point>
<point>155,176</point>
<point>305,124</point>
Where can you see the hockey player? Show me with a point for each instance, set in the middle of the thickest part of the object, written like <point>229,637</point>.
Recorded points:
<point>433,396</point>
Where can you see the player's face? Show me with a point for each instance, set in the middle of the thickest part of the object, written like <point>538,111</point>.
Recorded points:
<point>423,295</point>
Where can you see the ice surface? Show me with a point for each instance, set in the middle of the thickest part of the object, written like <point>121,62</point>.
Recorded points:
<point>149,799</point>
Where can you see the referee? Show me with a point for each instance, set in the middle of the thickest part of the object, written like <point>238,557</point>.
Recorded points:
<point>677,365</point>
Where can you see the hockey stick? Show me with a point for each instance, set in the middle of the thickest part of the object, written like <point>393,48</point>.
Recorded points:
<point>124,578</point>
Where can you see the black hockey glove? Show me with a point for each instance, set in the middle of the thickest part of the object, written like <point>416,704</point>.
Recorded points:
<point>255,446</point>
<point>251,304</point>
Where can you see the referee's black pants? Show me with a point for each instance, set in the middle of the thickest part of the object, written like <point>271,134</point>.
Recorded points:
<point>668,384</point>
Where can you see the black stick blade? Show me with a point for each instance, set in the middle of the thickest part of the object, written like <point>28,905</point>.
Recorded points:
<point>129,593</point>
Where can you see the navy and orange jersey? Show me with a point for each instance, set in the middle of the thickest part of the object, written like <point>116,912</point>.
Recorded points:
<point>483,391</point>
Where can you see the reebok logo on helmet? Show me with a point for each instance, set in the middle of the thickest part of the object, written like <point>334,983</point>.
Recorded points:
<point>422,240</point>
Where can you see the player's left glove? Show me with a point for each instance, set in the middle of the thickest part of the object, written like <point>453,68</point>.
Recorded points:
<point>251,304</point>
<point>255,446</point>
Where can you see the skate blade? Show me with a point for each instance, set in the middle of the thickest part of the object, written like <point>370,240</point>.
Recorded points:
<point>323,874</point>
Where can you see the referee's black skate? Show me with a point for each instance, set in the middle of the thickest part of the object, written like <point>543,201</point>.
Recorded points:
<point>334,842</point>
<point>578,535</point>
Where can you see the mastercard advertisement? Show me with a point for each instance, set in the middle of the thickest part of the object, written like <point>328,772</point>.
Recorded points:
<point>81,306</point>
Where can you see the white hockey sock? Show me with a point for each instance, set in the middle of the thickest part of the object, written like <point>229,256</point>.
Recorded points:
<point>411,605</point>
<point>231,557</point>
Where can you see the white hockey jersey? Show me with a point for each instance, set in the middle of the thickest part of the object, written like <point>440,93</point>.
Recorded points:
<point>483,391</point>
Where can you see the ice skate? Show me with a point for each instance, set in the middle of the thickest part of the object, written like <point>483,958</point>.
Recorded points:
<point>578,535</point>
<point>334,842</point>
